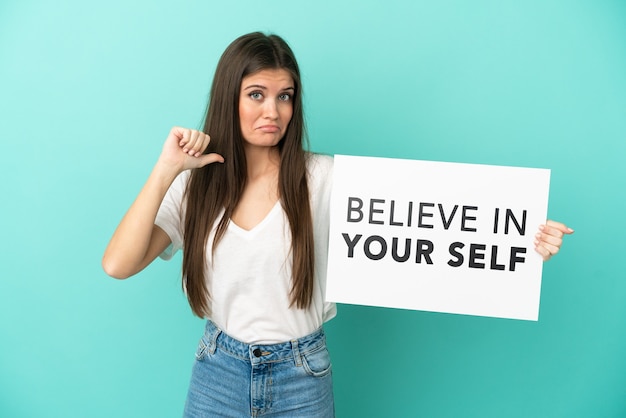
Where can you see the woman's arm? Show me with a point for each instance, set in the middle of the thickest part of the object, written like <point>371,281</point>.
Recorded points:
<point>549,239</point>
<point>137,241</point>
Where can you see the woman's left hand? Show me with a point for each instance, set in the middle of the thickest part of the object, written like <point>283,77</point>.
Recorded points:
<point>550,237</point>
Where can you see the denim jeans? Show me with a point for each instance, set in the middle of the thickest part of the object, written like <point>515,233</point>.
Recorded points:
<point>234,379</point>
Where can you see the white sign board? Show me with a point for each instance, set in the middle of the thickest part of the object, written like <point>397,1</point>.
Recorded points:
<point>433,236</point>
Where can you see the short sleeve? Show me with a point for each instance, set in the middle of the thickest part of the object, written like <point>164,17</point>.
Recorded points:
<point>171,214</point>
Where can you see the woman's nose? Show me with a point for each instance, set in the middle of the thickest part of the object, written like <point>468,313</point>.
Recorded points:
<point>270,109</point>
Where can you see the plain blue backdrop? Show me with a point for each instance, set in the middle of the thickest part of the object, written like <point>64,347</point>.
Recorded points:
<point>89,90</point>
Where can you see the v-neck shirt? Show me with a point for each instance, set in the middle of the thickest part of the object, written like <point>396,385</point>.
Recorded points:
<point>249,276</point>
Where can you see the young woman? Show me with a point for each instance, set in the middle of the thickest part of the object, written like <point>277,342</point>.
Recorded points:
<point>250,209</point>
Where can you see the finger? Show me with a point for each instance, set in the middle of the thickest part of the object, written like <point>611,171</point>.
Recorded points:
<point>549,239</point>
<point>548,230</point>
<point>209,159</point>
<point>551,248</point>
<point>546,250</point>
<point>545,254</point>
<point>185,135</point>
<point>203,143</point>
<point>560,226</point>
<point>177,132</point>
<point>189,148</point>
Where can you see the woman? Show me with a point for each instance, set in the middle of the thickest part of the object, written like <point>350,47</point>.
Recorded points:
<point>252,217</point>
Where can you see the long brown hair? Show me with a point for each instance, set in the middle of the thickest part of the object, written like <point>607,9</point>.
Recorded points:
<point>220,186</point>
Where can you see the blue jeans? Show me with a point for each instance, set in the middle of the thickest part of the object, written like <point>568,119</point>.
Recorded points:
<point>234,379</point>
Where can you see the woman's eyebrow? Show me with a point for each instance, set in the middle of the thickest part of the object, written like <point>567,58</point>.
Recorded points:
<point>262,87</point>
<point>255,86</point>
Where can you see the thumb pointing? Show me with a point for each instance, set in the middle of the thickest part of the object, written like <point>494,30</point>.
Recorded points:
<point>210,158</point>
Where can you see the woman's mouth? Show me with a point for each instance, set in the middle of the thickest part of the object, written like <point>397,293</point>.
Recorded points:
<point>269,128</point>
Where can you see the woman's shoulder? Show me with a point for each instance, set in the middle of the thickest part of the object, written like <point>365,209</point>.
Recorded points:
<point>320,171</point>
<point>319,164</point>
<point>180,182</point>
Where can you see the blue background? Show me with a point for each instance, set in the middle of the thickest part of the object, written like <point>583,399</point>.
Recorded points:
<point>89,90</point>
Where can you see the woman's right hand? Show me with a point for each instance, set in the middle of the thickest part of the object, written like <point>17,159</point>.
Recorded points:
<point>137,240</point>
<point>184,148</point>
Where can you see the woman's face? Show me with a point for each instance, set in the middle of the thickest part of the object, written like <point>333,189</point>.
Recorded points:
<point>265,106</point>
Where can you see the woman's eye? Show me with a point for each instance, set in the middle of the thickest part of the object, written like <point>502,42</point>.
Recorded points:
<point>284,97</point>
<point>256,95</point>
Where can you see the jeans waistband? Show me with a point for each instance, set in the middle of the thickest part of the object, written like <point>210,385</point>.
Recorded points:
<point>262,353</point>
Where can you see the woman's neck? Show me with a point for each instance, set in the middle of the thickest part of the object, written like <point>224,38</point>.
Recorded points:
<point>261,161</point>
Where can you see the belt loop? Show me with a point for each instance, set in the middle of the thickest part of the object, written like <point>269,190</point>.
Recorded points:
<point>296,353</point>
<point>213,344</point>
<point>213,332</point>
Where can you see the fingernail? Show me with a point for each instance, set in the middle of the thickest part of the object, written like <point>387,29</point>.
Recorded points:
<point>541,227</point>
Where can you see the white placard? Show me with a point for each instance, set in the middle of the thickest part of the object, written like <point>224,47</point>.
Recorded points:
<point>434,236</point>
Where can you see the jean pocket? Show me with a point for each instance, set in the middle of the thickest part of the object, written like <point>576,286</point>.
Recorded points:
<point>201,351</point>
<point>317,363</point>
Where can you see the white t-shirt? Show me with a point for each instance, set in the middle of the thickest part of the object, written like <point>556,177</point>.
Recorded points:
<point>249,278</point>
